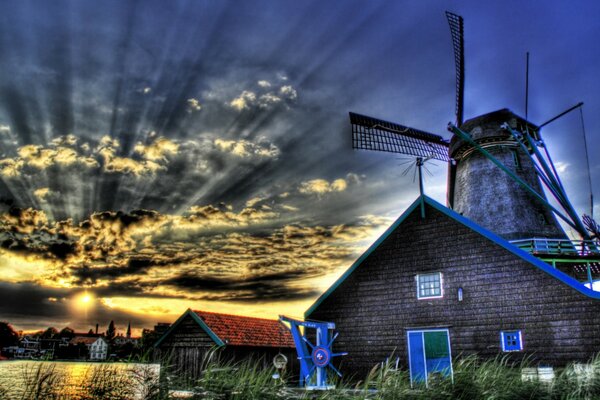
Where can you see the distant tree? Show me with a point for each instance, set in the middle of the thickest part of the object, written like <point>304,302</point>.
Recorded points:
<point>111,331</point>
<point>49,333</point>
<point>125,351</point>
<point>66,333</point>
<point>8,336</point>
<point>149,337</point>
<point>91,332</point>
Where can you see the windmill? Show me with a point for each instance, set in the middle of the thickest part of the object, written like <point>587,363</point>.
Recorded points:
<point>497,164</point>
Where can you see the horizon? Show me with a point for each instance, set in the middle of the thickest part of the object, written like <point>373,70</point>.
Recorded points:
<point>155,158</point>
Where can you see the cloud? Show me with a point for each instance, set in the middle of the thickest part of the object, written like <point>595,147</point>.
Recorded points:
<point>322,186</point>
<point>561,167</point>
<point>157,150</point>
<point>288,92</point>
<point>223,253</point>
<point>153,157</point>
<point>11,167</point>
<point>193,105</point>
<point>246,149</point>
<point>40,158</point>
<point>267,100</point>
<point>243,101</point>
<point>41,193</point>
<point>65,152</point>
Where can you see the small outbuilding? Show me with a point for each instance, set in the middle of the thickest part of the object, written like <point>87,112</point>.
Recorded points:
<point>436,285</point>
<point>189,340</point>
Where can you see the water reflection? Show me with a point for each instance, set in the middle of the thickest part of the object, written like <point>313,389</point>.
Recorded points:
<point>40,379</point>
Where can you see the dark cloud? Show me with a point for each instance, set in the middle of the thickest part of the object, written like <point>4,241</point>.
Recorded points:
<point>31,306</point>
<point>255,288</point>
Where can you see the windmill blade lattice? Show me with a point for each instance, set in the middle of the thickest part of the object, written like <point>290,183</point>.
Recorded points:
<point>374,134</point>
<point>458,43</point>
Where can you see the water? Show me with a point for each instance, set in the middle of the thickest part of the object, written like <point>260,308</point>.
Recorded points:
<point>70,379</point>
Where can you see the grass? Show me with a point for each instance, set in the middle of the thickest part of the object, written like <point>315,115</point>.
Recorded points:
<point>43,381</point>
<point>474,378</point>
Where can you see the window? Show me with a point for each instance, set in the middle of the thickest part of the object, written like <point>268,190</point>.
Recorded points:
<point>511,341</point>
<point>516,159</point>
<point>429,286</point>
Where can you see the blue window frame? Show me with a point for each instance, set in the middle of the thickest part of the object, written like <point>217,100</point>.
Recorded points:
<point>511,340</point>
<point>429,286</point>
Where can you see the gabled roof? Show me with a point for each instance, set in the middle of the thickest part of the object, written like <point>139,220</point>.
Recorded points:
<point>555,273</point>
<point>237,330</point>
<point>85,340</point>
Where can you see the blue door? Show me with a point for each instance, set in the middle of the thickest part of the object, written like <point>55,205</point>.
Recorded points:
<point>429,352</point>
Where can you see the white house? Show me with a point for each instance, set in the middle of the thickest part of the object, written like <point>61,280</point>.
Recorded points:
<point>99,349</point>
<point>97,346</point>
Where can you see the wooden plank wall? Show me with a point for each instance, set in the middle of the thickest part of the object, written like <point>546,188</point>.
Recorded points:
<point>183,351</point>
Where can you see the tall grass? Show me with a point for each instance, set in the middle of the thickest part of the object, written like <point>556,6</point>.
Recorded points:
<point>473,379</point>
<point>41,381</point>
<point>248,379</point>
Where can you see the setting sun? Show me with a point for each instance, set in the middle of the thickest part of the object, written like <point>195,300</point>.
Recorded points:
<point>84,300</point>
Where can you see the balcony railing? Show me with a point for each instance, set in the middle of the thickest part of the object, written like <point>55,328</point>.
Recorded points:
<point>558,247</point>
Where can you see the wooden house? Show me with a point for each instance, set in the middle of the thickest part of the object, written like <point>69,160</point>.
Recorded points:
<point>189,339</point>
<point>436,285</point>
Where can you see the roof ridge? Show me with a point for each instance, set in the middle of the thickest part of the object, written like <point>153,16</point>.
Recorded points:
<point>234,315</point>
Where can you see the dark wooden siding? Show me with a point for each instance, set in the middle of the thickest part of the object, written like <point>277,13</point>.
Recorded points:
<point>376,305</point>
<point>183,351</point>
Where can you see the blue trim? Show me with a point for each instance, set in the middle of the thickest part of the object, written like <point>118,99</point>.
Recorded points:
<point>561,276</point>
<point>196,319</point>
<point>511,336</point>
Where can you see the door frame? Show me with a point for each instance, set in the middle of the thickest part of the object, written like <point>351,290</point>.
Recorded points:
<point>422,331</point>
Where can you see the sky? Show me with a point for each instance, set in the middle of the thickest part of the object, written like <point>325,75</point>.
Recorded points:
<point>157,156</point>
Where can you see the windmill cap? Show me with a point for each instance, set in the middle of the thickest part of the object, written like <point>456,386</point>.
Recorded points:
<point>486,127</point>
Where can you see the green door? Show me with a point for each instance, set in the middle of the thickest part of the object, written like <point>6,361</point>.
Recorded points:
<point>429,352</point>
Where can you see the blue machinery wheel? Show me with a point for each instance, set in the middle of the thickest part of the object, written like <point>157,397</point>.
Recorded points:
<point>315,363</point>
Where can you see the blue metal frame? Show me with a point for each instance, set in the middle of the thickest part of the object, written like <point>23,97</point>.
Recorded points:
<point>314,361</point>
<point>550,178</point>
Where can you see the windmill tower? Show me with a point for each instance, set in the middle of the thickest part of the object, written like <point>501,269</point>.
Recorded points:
<point>491,198</point>
<point>495,164</point>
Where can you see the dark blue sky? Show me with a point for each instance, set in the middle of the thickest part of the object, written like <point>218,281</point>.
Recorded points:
<point>226,122</point>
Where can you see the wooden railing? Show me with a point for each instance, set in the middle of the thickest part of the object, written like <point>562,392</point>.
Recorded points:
<point>544,246</point>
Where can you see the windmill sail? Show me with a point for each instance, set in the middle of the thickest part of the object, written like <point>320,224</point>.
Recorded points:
<point>374,134</point>
<point>458,43</point>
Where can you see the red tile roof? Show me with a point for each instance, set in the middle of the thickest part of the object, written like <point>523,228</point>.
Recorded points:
<point>236,330</point>
<point>83,339</point>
